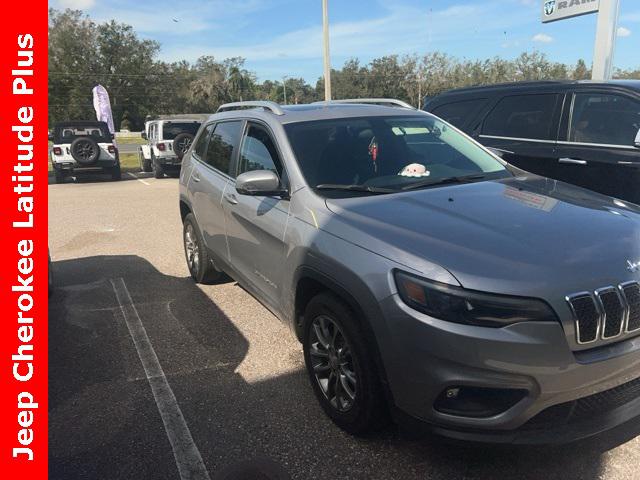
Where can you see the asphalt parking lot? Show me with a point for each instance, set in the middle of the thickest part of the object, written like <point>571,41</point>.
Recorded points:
<point>152,376</point>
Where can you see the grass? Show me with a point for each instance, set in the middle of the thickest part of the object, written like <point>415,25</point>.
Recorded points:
<point>130,141</point>
<point>128,162</point>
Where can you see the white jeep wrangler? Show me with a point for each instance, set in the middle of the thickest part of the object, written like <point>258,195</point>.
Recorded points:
<point>83,146</point>
<point>167,141</point>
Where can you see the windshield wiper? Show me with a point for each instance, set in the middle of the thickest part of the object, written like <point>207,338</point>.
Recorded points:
<point>442,181</point>
<point>353,188</point>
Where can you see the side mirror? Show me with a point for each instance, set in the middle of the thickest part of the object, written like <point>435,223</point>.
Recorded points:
<point>144,136</point>
<point>259,182</point>
<point>50,137</point>
<point>637,141</point>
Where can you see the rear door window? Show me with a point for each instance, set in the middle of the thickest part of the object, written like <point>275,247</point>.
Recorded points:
<point>523,116</point>
<point>223,144</point>
<point>458,113</point>
<point>604,119</point>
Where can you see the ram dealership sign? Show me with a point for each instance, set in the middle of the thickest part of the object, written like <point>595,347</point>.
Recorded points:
<point>553,10</point>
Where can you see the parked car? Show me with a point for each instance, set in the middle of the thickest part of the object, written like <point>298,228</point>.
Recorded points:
<point>585,133</point>
<point>83,146</point>
<point>167,142</point>
<point>423,275</point>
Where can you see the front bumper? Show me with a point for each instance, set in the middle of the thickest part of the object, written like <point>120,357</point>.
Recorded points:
<point>426,356</point>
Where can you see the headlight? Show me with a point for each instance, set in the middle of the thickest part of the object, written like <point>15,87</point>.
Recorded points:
<point>458,305</point>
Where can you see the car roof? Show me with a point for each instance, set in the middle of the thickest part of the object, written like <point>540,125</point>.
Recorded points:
<point>319,111</point>
<point>80,123</point>
<point>543,85</point>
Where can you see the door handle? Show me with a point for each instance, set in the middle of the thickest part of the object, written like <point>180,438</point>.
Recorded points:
<point>231,198</point>
<point>195,177</point>
<point>572,161</point>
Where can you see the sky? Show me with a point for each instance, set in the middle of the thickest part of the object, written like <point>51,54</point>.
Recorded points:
<point>284,37</point>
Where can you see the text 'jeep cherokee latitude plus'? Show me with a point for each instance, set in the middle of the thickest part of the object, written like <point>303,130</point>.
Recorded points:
<point>423,275</point>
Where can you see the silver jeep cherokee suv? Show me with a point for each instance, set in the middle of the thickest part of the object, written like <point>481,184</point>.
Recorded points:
<point>424,276</point>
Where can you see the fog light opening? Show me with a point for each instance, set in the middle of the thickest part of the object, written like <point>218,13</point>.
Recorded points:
<point>477,402</point>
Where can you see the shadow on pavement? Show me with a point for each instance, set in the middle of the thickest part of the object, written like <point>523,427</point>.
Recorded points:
<point>104,422</point>
<point>102,177</point>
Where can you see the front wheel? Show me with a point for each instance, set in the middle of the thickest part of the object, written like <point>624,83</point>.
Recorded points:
<point>116,172</point>
<point>158,168</point>
<point>341,367</point>
<point>58,174</point>
<point>145,163</point>
<point>200,265</point>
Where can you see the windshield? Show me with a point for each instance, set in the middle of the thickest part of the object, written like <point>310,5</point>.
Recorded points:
<point>171,130</point>
<point>387,154</point>
<point>67,134</point>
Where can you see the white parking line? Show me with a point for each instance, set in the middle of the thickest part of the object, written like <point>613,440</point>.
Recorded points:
<point>186,453</point>
<point>139,179</point>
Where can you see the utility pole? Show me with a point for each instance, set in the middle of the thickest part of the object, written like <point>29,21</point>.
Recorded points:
<point>284,86</point>
<point>606,31</point>
<point>327,61</point>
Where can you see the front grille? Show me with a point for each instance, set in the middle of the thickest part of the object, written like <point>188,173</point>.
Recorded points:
<point>632,294</point>
<point>587,317</point>
<point>607,313</point>
<point>613,312</point>
<point>586,408</point>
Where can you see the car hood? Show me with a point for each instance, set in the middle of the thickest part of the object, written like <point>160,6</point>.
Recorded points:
<point>518,235</point>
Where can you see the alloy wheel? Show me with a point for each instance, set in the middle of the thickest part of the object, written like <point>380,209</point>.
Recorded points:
<point>184,145</point>
<point>191,248</point>
<point>332,363</point>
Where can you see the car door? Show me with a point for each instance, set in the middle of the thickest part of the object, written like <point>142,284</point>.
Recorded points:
<point>256,224</point>
<point>213,156</point>
<point>597,145</point>
<point>524,129</point>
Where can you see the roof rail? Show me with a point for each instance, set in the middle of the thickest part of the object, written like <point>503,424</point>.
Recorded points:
<point>375,101</point>
<point>273,107</point>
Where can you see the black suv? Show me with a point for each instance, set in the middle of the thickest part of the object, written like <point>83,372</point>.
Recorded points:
<point>585,133</point>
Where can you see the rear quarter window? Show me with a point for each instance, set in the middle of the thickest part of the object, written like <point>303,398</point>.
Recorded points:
<point>522,116</point>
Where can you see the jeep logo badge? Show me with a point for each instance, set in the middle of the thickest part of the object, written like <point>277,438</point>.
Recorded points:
<point>549,7</point>
<point>633,267</point>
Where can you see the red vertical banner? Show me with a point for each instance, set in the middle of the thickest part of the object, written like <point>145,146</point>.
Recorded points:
<point>23,240</point>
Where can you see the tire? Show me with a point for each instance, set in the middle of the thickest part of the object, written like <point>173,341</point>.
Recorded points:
<point>351,358</point>
<point>145,163</point>
<point>202,269</point>
<point>85,150</point>
<point>181,144</point>
<point>58,175</point>
<point>116,172</point>
<point>158,168</point>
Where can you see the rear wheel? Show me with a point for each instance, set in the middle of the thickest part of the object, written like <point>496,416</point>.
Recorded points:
<point>341,367</point>
<point>200,265</point>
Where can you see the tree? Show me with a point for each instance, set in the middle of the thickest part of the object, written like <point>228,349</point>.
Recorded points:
<point>581,71</point>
